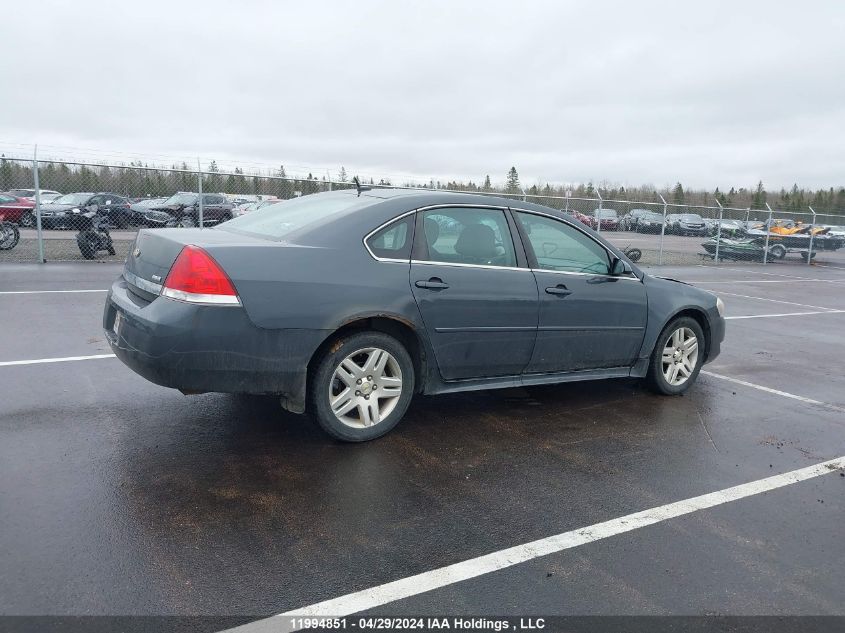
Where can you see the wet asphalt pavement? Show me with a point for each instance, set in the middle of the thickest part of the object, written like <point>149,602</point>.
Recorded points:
<point>121,497</point>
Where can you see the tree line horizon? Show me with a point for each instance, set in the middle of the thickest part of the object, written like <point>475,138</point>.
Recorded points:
<point>137,179</point>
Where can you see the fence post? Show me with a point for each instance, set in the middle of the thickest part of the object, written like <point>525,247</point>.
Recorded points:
<point>719,230</point>
<point>524,197</point>
<point>768,233</point>
<point>598,218</point>
<point>39,234</point>
<point>199,189</point>
<point>662,231</point>
<point>812,235</point>
<point>568,196</point>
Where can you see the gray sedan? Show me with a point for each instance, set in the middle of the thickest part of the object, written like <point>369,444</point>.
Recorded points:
<point>347,303</point>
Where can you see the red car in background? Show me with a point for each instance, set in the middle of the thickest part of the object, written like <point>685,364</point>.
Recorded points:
<point>13,208</point>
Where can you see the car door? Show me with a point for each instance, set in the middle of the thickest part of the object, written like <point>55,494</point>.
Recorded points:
<point>589,319</point>
<point>476,294</point>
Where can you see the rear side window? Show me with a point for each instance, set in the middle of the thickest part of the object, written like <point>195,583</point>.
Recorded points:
<point>394,240</point>
<point>466,235</point>
<point>558,246</point>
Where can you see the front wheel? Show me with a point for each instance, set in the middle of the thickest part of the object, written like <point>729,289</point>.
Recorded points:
<point>677,357</point>
<point>361,387</point>
<point>186,222</point>
<point>89,244</point>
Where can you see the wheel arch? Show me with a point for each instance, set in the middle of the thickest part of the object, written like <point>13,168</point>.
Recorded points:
<point>398,327</point>
<point>700,316</point>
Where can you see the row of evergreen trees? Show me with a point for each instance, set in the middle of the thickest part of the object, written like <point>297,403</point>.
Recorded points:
<point>141,180</point>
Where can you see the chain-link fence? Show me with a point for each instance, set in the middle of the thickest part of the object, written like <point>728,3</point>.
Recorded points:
<point>79,211</point>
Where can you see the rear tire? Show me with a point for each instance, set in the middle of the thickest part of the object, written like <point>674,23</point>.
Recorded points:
<point>9,236</point>
<point>88,245</point>
<point>27,220</point>
<point>361,386</point>
<point>673,368</point>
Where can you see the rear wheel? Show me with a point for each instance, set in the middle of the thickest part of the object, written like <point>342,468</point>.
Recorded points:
<point>88,245</point>
<point>9,236</point>
<point>677,357</point>
<point>27,220</point>
<point>361,387</point>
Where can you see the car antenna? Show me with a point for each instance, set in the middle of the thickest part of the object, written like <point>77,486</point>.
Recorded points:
<point>357,185</point>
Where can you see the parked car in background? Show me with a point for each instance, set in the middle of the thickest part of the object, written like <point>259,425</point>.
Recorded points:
<point>63,211</point>
<point>252,206</point>
<point>16,209</point>
<point>685,224</point>
<point>628,222</point>
<point>140,207</point>
<point>583,218</point>
<point>502,293</point>
<point>47,195</point>
<point>641,221</point>
<point>608,217</point>
<point>182,209</point>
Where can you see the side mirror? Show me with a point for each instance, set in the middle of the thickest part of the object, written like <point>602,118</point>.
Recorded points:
<point>620,267</point>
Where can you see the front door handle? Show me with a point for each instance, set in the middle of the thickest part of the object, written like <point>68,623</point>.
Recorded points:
<point>435,283</point>
<point>559,290</point>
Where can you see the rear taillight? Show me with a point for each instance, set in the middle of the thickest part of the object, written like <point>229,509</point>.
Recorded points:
<point>196,278</point>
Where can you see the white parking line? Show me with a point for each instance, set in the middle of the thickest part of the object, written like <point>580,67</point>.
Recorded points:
<point>37,361</point>
<point>792,303</point>
<point>495,561</point>
<point>776,392</point>
<point>766,281</point>
<point>43,292</point>
<point>784,314</point>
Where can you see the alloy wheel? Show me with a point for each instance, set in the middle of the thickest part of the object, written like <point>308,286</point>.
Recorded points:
<point>680,356</point>
<point>365,387</point>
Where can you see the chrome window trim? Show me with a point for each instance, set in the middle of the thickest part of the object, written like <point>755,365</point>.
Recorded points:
<point>379,228</point>
<point>418,209</point>
<point>630,276</point>
<point>462,265</point>
<point>141,283</point>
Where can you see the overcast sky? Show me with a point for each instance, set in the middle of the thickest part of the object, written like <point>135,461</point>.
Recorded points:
<point>705,93</point>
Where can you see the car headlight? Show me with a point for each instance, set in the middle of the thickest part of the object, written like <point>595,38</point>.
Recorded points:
<point>720,306</point>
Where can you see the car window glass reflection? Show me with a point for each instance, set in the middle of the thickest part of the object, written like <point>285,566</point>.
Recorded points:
<point>558,246</point>
<point>468,236</point>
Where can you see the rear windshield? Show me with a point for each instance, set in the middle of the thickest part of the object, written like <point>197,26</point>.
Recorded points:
<point>275,221</point>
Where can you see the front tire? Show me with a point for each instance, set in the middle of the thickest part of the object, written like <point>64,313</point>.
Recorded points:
<point>361,387</point>
<point>677,357</point>
<point>27,220</point>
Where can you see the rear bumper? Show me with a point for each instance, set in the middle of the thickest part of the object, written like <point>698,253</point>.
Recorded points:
<point>207,348</point>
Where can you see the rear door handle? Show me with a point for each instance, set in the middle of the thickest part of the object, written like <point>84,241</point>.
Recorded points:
<point>559,290</point>
<point>435,283</point>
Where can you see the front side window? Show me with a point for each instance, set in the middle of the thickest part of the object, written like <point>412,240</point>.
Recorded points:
<point>393,241</point>
<point>558,246</point>
<point>466,236</point>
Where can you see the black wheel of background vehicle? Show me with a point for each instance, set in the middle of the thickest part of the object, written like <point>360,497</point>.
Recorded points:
<point>88,245</point>
<point>122,222</point>
<point>9,236</point>
<point>27,220</point>
<point>226,217</point>
<point>778,251</point>
<point>186,222</point>
<point>361,386</point>
<point>677,357</point>
<point>634,254</point>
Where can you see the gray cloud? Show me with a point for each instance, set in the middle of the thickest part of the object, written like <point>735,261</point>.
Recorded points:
<point>720,94</point>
